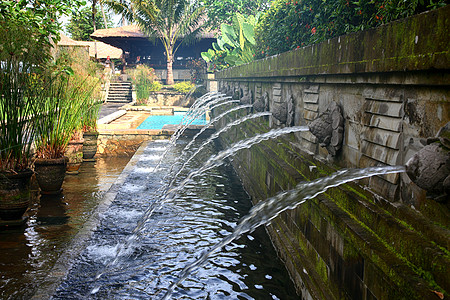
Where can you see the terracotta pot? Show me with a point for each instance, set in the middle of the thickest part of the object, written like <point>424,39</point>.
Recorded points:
<point>74,154</point>
<point>90,145</point>
<point>50,174</point>
<point>14,194</point>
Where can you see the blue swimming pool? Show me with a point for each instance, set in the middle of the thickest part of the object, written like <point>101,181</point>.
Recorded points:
<point>157,122</point>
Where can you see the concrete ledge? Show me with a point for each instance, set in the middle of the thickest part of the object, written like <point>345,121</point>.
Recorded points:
<point>109,118</point>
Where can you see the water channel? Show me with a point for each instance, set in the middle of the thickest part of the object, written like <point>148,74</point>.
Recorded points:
<point>29,252</point>
<point>199,217</point>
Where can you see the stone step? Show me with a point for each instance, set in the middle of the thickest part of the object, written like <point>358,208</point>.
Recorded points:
<point>119,92</point>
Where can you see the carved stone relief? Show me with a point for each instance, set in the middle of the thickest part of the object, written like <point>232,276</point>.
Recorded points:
<point>329,128</point>
<point>430,167</point>
<point>262,104</point>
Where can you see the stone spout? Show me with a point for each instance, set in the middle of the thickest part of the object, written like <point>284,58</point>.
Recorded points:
<point>430,167</point>
<point>329,128</point>
<point>262,104</point>
<point>246,99</point>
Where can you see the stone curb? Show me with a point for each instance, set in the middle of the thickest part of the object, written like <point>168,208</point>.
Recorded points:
<point>65,262</point>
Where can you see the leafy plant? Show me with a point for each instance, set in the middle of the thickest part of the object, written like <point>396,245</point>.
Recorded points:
<point>236,44</point>
<point>144,79</point>
<point>184,87</point>
<point>197,68</point>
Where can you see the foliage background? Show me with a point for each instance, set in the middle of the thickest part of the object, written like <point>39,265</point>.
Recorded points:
<point>290,24</point>
<point>80,25</point>
<point>222,11</point>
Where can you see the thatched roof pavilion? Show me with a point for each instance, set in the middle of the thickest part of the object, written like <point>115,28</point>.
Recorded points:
<point>138,47</point>
<point>103,50</point>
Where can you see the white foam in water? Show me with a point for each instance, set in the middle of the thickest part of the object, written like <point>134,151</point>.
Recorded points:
<point>144,170</point>
<point>132,188</point>
<point>129,215</point>
<point>161,149</point>
<point>102,252</point>
<point>150,157</point>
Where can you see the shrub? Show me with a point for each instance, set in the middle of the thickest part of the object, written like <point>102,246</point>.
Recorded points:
<point>143,77</point>
<point>155,86</point>
<point>290,24</point>
<point>184,87</point>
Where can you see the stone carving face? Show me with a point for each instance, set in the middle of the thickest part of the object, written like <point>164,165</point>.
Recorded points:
<point>262,104</point>
<point>235,95</point>
<point>247,98</point>
<point>329,128</point>
<point>430,167</point>
<point>290,112</point>
<point>284,111</point>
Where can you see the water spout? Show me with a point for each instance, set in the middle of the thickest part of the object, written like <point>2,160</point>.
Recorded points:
<point>329,128</point>
<point>430,167</point>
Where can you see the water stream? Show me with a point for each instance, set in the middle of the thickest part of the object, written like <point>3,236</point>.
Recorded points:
<point>265,211</point>
<point>165,227</point>
<point>199,217</point>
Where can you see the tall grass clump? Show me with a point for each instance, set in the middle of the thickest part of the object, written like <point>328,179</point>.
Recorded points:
<point>69,99</point>
<point>24,55</point>
<point>144,79</point>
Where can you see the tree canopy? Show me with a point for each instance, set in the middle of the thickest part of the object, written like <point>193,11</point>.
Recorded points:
<point>172,21</point>
<point>223,11</point>
<point>80,25</point>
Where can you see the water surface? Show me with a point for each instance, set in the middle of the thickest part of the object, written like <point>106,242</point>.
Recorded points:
<point>29,252</point>
<point>205,211</point>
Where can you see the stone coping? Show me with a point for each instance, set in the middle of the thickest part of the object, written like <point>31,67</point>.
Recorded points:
<point>111,117</point>
<point>65,262</point>
<point>164,131</point>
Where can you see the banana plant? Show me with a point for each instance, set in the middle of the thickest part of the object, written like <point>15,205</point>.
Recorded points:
<point>235,46</point>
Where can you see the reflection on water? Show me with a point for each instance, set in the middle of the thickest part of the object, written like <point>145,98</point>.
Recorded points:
<point>29,252</point>
<point>200,216</point>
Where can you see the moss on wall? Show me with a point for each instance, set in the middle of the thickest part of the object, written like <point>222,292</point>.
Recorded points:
<point>347,243</point>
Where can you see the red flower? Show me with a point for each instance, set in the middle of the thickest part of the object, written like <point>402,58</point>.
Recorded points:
<point>298,47</point>
<point>313,31</point>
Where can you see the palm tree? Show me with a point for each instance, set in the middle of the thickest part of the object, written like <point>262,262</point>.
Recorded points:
<point>173,21</point>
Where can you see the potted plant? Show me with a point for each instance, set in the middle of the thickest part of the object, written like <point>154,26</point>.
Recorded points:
<point>24,53</point>
<point>16,109</point>
<point>67,100</point>
<point>74,152</point>
<point>90,133</point>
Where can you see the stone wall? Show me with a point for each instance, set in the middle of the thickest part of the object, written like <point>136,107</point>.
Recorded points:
<point>379,238</point>
<point>126,142</point>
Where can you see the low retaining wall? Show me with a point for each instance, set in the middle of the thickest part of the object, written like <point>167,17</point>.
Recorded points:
<point>125,142</point>
<point>379,238</point>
